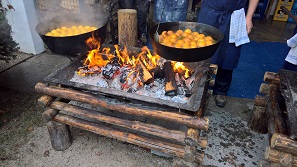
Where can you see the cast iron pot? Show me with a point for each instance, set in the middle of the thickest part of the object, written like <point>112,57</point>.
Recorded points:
<point>72,45</point>
<point>186,55</point>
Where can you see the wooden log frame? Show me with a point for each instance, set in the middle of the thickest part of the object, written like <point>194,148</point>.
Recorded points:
<point>283,143</point>
<point>176,143</point>
<point>283,158</point>
<point>194,122</point>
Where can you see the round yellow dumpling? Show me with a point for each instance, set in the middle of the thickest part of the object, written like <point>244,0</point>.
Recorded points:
<point>87,27</point>
<point>74,27</point>
<point>58,30</point>
<point>188,30</point>
<point>93,28</point>
<point>49,34</point>
<point>64,28</point>
<point>54,31</point>
<point>80,27</point>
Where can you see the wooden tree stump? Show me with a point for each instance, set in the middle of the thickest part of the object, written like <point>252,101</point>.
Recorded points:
<point>127,27</point>
<point>59,135</point>
<point>259,121</point>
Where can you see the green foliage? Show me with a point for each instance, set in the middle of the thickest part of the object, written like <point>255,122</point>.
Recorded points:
<point>8,47</point>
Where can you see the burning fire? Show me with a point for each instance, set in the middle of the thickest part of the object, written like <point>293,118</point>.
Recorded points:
<point>138,69</point>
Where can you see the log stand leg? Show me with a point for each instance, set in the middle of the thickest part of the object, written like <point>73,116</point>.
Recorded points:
<point>59,135</point>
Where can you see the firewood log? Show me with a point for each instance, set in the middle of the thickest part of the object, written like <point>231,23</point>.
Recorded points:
<point>127,27</point>
<point>170,83</point>
<point>271,77</point>
<point>285,159</point>
<point>45,100</point>
<point>283,143</point>
<point>147,76</point>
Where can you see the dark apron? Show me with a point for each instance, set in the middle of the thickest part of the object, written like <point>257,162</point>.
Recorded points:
<point>217,13</point>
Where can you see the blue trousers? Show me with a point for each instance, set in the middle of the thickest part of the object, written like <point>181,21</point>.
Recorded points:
<point>222,81</point>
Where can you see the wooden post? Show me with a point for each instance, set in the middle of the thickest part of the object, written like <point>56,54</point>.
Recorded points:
<point>259,121</point>
<point>259,118</point>
<point>59,135</point>
<point>283,143</point>
<point>127,27</point>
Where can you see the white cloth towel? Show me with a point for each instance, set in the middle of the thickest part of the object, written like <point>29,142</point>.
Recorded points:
<point>238,33</point>
<point>292,55</point>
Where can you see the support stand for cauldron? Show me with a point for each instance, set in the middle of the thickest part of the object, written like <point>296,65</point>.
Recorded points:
<point>186,146</point>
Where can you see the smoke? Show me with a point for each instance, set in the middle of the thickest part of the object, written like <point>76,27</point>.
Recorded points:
<point>57,13</point>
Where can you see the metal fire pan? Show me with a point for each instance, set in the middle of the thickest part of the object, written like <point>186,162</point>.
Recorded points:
<point>64,74</point>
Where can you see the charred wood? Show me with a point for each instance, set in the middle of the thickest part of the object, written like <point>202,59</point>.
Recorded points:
<point>170,83</point>
<point>157,73</point>
<point>147,77</point>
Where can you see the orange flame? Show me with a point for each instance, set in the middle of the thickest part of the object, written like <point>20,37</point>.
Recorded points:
<point>180,68</point>
<point>97,59</point>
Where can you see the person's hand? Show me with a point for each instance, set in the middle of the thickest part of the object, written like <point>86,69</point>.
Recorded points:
<point>249,25</point>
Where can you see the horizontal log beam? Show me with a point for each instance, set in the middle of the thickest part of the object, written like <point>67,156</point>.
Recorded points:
<point>49,113</point>
<point>264,88</point>
<point>165,147</point>
<point>194,122</point>
<point>155,130</point>
<point>271,77</point>
<point>283,143</point>
<point>285,159</point>
<point>45,100</point>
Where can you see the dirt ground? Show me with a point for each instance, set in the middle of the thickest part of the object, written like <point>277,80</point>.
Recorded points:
<point>24,141</point>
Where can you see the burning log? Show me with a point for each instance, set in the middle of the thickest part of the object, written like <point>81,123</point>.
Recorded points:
<point>157,73</point>
<point>170,83</point>
<point>147,77</point>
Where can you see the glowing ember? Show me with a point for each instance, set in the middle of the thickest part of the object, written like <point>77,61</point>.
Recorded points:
<point>127,71</point>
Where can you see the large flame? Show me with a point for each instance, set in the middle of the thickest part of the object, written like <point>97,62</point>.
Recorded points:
<point>97,59</point>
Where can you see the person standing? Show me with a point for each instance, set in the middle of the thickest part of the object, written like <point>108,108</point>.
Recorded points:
<point>291,59</point>
<point>218,13</point>
<point>142,7</point>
